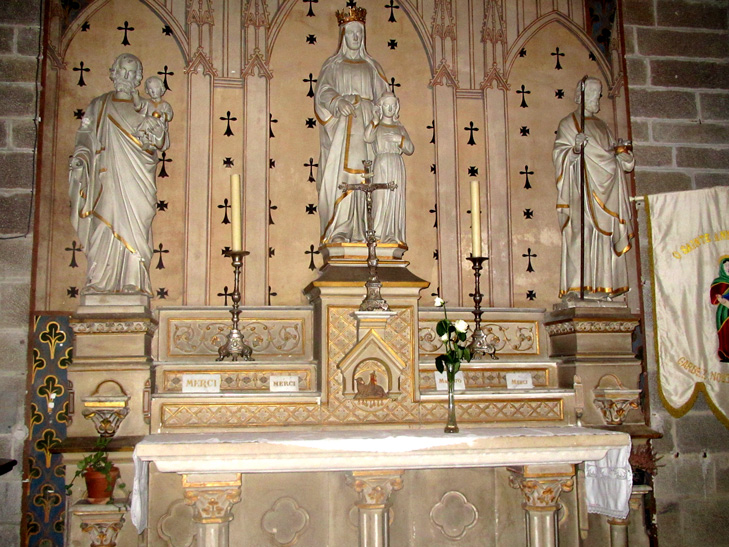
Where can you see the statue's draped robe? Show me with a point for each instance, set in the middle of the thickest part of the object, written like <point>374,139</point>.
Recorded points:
<point>342,145</point>
<point>114,202</point>
<point>389,143</point>
<point>608,223</point>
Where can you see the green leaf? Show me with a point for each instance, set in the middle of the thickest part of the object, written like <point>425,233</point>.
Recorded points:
<point>456,367</point>
<point>462,336</point>
<point>467,355</point>
<point>442,327</point>
<point>439,363</point>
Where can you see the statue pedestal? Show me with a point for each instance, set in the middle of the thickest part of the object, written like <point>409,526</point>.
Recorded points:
<point>355,254</point>
<point>364,356</point>
<point>110,373</point>
<point>595,344</point>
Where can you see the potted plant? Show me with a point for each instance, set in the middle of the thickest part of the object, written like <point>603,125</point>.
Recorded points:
<point>99,473</point>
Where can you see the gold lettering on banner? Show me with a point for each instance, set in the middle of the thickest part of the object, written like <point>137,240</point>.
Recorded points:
<point>691,368</point>
<point>700,240</point>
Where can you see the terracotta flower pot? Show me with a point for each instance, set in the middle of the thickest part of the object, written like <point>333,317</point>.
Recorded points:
<point>98,489</point>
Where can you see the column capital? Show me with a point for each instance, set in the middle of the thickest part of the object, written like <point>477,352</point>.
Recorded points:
<point>374,487</point>
<point>213,499</point>
<point>541,491</point>
<point>102,528</point>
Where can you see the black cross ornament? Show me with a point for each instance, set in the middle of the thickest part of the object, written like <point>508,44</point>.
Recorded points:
<point>167,30</point>
<point>271,163</point>
<point>225,206</point>
<point>526,173</point>
<point>522,52</point>
<point>435,254</point>
<point>160,252</point>
<point>72,292</point>
<point>271,252</point>
<point>224,251</point>
<point>310,123</point>
<point>432,168</point>
<point>351,4</point>
<point>126,28</point>
<point>227,118</point>
<point>162,205</point>
<point>86,26</point>
<point>311,252</point>
<point>270,294</point>
<point>392,44</point>
<point>524,131</point>
<point>559,93</point>
<point>393,85</point>
<point>271,120</point>
<point>472,171</point>
<point>311,81</point>
<point>73,250</point>
<point>310,13</point>
<point>311,39</point>
<point>162,293</point>
<point>165,73</point>
<point>529,256</point>
<point>225,294</point>
<point>557,54</point>
<point>271,208</point>
<point>228,163</point>
<point>531,294</point>
<point>311,166</point>
<point>523,93</point>
<point>81,69</point>
<point>163,172</point>
<point>528,214</point>
<point>434,210</point>
<point>78,113</point>
<point>310,209</point>
<point>471,128</point>
<point>432,138</point>
<point>392,6</point>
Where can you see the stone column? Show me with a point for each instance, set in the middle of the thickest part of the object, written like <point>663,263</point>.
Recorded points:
<point>542,486</point>
<point>374,489</point>
<point>618,532</point>
<point>212,497</point>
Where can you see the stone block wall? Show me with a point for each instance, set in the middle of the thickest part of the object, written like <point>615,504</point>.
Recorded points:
<point>678,72</point>
<point>20,22</point>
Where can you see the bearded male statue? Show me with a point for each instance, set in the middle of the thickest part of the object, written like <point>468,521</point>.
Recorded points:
<point>112,185</point>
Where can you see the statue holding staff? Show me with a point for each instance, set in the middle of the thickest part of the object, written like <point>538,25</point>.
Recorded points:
<point>596,233</point>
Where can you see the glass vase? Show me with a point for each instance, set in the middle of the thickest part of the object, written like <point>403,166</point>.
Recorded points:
<point>451,426</point>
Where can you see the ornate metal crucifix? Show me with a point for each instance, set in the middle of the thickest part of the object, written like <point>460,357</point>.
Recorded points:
<point>373,301</point>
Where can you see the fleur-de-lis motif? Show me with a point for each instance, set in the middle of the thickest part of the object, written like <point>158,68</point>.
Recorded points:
<point>48,498</point>
<point>53,336</point>
<point>66,360</point>
<point>50,389</point>
<point>34,471</point>
<point>46,443</point>
<point>38,362</point>
<point>36,417</point>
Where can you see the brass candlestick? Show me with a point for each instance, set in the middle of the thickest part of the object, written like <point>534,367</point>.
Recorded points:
<point>479,346</point>
<point>235,345</point>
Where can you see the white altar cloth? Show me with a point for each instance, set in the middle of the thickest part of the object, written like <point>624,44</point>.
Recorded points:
<point>332,449</point>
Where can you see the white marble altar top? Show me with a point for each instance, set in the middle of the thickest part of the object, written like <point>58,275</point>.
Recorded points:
<point>361,449</point>
<point>334,449</point>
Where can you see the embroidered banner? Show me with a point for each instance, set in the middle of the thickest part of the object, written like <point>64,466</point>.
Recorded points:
<point>689,233</point>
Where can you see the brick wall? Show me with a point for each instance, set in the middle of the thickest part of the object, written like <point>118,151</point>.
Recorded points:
<point>678,72</point>
<point>19,51</point>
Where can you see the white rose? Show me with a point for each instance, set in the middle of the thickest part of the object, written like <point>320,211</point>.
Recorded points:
<point>461,325</point>
<point>439,302</point>
<point>444,337</point>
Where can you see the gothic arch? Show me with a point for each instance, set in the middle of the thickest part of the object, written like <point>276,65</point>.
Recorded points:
<point>538,25</point>
<point>160,11</point>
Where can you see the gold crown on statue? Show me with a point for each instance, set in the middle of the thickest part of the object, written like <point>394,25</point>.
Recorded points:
<point>351,14</point>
